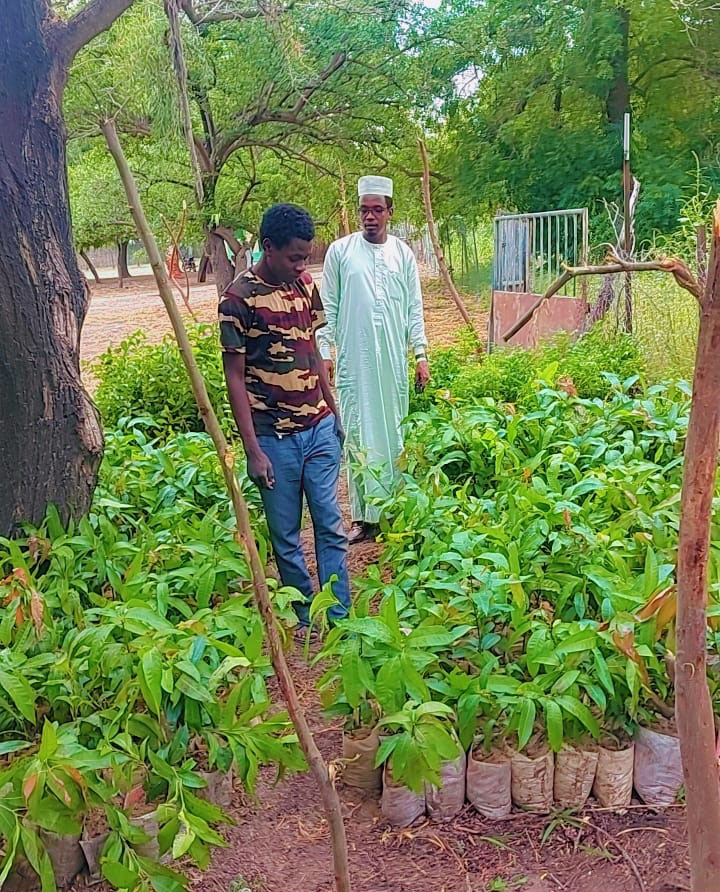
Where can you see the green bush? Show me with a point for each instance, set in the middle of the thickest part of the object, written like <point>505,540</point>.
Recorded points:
<point>510,375</point>
<point>138,378</point>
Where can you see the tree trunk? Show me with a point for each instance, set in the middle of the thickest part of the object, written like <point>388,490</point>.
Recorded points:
<point>222,267</point>
<point>344,215</point>
<point>204,267</point>
<point>618,100</point>
<point>122,262</point>
<point>91,266</point>
<point>694,708</point>
<point>50,438</point>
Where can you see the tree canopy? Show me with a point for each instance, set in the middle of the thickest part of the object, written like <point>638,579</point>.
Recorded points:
<point>521,105</point>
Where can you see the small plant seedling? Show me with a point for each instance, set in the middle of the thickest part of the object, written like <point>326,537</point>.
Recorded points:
<point>502,885</point>
<point>561,819</point>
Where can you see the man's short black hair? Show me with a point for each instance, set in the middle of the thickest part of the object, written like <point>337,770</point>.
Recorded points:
<point>283,222</point>
<point>389,202</point>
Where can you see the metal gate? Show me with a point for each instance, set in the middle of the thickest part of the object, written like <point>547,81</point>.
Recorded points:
<point>530,250</point>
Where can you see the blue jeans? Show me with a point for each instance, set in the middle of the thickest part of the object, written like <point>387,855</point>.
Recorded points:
<point>308,463</point>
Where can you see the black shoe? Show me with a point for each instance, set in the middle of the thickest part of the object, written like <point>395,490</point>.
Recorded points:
<point>357,533</point>
<point>363,532</point>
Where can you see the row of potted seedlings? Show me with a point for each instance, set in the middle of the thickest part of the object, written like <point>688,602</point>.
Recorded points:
<point>534,780</point>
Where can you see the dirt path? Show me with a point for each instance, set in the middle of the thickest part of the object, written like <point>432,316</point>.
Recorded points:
<point>115,313</point>
<point>280,843</point>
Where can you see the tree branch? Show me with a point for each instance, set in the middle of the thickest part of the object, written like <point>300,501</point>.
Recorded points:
<point>229,236</point>
<point>85,25</point>
<point>203,157</point>
<point>680,271</point>
<point>662,61</point>
<point>216,14</point>
<point>177,56</point>
<point>292,115</point>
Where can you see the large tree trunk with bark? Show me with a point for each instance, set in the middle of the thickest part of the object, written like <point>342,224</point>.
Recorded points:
<point>50,438</point>
<point>693,706</point>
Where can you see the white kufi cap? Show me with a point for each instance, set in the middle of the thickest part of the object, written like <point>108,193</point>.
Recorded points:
<point>375,186</point>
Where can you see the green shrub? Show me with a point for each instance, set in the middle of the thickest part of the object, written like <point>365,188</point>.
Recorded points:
<point>138,378</point>
<point>510,375</point>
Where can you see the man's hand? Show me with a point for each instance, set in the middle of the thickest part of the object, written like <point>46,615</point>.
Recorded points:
<point>330,370</point>
<point>339,431</point>
<point>422,374</point>
<point>260,470</point>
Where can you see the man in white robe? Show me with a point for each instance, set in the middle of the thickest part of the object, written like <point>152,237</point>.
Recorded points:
<point>373,306</point>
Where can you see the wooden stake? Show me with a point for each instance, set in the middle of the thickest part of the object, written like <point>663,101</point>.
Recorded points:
<point>627,228</point>
<point>692,701</point>
<point>319,769</point>
<point>344,215</point>
<point>444,271</point>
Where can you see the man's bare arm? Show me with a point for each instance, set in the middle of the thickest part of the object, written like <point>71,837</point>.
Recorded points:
<point>259,467</point>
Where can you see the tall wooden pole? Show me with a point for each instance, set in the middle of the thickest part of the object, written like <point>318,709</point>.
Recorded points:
<point>628,237</point>
<point>692,702</point>
<point>344,215</point>
<point>432,229</point>
<point>319,769</point>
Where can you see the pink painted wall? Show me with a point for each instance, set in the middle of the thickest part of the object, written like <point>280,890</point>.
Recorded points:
<point>554,315</point>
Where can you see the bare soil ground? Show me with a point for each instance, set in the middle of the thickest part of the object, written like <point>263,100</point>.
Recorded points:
<point>115,313</point>
<point>280,843</point>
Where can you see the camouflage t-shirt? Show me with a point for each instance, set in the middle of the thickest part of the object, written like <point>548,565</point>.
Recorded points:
<point>274,327</point>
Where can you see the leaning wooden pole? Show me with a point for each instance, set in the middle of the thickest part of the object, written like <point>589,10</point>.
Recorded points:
<point>613,265</point>
<point>437,248</point>
<point>692,701</point>
<point>319,769</point>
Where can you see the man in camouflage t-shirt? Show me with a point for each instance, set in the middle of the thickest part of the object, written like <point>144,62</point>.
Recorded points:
<point>283,405</point>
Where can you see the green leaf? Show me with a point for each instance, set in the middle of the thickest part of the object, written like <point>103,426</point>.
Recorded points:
<point>527,722</point>
<point>430,637</point>
<point>554,723</point>
<point>150,677</point>
<point>566,680</point>
<point>434,708</point>
<point>182,841</point>
<point>190,688</point>
<point>370,627</point>
<point>48,742</point>
<point>385,749</point>
<point>579,711</point>
<point>580,641</point>
<point>603,672</point>
<point>20,692</point>
<point>352,683</point>
<point>651,575</point>
<point>388,686</point>
<point>413,681</point>
<point>118,875</point>
<point>322,602</point>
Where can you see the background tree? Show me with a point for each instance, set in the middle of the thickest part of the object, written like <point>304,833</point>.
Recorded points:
<point>100,215</point>
<point>535,96</point>
<point>275,94</point>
